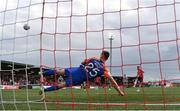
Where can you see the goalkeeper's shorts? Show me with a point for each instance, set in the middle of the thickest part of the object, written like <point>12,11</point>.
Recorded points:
<point>74,76</point>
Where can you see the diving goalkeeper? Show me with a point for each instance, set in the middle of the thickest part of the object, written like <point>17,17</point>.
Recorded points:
<point>88,70</point>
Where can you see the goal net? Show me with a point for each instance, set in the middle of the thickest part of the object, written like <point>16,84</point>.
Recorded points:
<point>62,33</point>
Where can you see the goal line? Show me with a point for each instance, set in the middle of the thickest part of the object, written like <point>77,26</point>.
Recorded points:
<point>91,103</point>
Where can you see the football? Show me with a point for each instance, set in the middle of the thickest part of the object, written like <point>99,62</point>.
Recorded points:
<point>138,90</point>
<point>26,27</point>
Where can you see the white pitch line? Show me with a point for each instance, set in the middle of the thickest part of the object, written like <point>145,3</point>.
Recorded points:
<point>80,103</point>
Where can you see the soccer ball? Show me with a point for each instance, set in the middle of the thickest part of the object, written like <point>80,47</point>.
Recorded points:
<point>26,27</point>
<point>138,90</point>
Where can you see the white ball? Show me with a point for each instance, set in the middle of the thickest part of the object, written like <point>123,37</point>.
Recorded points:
<point>26,27</point>
<point>138,90</point>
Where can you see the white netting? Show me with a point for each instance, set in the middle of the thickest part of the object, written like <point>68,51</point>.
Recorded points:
<point>61,33</point>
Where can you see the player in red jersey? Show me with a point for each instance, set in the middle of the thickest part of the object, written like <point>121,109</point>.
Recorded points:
<point>89,69</point>
<point>140,76</point>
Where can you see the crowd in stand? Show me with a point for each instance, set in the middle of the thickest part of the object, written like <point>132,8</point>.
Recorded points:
<point>18,81</point>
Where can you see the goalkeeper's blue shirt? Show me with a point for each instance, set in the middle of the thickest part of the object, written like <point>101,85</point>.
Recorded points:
<point>89,69</point>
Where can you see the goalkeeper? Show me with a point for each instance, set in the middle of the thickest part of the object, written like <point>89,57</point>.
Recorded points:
<point>88,70</point>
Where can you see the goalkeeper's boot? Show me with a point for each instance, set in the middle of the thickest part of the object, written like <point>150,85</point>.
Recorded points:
<point>40,73</point>
<point>42,79</point>
<point>41,92</point>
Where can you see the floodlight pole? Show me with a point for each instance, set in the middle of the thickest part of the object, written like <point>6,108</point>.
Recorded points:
<point>111,39</point>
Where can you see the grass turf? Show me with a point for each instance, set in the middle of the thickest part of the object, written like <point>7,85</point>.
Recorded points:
<point>94,99</point>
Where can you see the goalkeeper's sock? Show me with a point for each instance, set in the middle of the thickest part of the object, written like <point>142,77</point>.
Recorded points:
<point>51,88</point>
<point>49,72</point>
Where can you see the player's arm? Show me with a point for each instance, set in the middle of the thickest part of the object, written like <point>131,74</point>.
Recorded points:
<point>84,62</point>
<point>87,60</point>
<point>142,71</point>
<point>115,85</point>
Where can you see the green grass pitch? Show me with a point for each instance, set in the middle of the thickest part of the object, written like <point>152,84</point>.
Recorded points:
<point>94,99</point>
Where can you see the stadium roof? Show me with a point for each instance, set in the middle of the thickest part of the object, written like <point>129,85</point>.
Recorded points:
<point>18,68</point>
<point>8,65</point>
